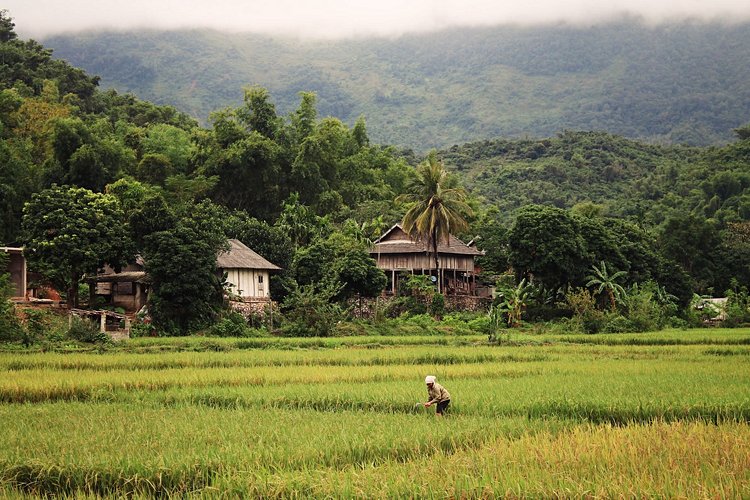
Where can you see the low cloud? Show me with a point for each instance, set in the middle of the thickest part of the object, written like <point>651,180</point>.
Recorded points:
<point>347,18</point>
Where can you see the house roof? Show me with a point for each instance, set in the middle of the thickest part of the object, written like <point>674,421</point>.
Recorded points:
<point>239,256</point>
<point>125,276</point>
<point>395,240</point>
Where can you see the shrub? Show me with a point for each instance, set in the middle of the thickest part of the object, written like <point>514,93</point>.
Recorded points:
<point>232,324</point>
<point>309,312</point>
<point>405,305</point>
<point>140,329</point>
<point>643,308</point>
<point>84,330</point>
<point>437,306</point>
<point>10,327</point>
<point>585,313</point>
<point>37,323</point>
<point>618,324</point>
<point>737,308</point>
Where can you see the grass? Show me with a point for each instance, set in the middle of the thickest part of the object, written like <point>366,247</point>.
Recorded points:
<point>543,417</point>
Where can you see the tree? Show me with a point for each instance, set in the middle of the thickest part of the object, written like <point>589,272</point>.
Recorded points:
<point>492,239</point>
<point>303,119</point>
<point>607,282</point>
<point>437,211</point>
<point>299,222</point>
<point>513,301</point>
<point>693,243</point>
<point>249,176</point>
<point>170,141</point>
<point>545,244</point>
<point>259,113</point>
<point>186,291</point>
<point>71,232</point>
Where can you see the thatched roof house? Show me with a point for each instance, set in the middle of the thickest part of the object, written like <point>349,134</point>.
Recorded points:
<point>247,272</point>
<point>395,253</point>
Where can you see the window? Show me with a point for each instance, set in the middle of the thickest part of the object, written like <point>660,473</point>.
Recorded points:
<point>260,279</point>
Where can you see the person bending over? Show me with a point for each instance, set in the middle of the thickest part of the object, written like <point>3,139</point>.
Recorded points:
<point>437,394</point>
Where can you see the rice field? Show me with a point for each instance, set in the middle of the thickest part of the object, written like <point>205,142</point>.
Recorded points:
<point>661,414</point>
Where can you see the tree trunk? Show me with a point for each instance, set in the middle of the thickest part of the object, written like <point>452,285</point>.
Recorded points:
<point>73,290</point>
<point>437,262</point>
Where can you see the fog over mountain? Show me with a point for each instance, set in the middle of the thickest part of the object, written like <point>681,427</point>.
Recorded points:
<point>673,83</point>
<point>333,19</point>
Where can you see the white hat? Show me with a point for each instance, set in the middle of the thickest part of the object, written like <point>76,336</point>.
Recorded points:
<point>429,379</point>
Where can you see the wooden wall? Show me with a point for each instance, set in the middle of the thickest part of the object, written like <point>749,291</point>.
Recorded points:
<point>248,282</point>
<point>418,262</point>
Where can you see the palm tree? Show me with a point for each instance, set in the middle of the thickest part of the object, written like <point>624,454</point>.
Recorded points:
<point>438,209</point>
<point>607,282</point>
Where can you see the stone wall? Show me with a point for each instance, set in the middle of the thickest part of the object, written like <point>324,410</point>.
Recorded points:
<point>365,308</point>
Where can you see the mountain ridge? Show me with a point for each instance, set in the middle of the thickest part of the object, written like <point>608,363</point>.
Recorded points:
<point>680,83</point>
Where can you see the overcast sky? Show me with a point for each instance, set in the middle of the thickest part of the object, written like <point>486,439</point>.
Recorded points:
<point>345,18</point>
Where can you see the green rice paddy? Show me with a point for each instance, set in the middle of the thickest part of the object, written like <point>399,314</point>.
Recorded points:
<point>658,414</point>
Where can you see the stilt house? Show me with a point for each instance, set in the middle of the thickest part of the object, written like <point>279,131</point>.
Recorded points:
<point>398,254</point>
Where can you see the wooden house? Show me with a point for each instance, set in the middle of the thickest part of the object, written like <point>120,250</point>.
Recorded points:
<point>397,254</point>
<point>127,289</point>
<point>247,272</point>
<point>17,270</point>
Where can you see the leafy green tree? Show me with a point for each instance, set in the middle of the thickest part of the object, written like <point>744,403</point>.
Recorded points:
<point>172,142</point>
<point>607,282</point>
<point>259,113</point>
<point>692,242</point>
<point>545,245</point>
<point>186,291</point>
<point>437,211</point>
<point>358,273</point>
<point>304,118</point>
<point>601,243</point>
<point>312,264</point>
<point>300,222</point>
<point>154,169</point>
<point>492,239</point>
<point>249,176</point>
<point>70,232</point>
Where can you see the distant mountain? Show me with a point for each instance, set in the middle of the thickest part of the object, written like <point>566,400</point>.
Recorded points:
<point>678,83</point>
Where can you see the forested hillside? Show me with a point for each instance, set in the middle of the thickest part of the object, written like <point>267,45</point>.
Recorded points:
<point>629,179</point>
<point>678,83</point>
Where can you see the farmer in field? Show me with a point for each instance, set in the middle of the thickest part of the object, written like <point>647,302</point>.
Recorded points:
<point>437,394</point>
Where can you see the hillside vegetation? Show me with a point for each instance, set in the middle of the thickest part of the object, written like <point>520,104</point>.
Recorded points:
<point>677,83</point>
<point>629,179</point>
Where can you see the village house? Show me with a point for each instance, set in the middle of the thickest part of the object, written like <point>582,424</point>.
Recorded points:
<point>247,272</point>
<point>398,254</point>
<point>127,289</point>
<point>247,278</point>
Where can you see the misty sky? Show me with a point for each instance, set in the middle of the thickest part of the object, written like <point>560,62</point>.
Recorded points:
<point>345,18</point>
